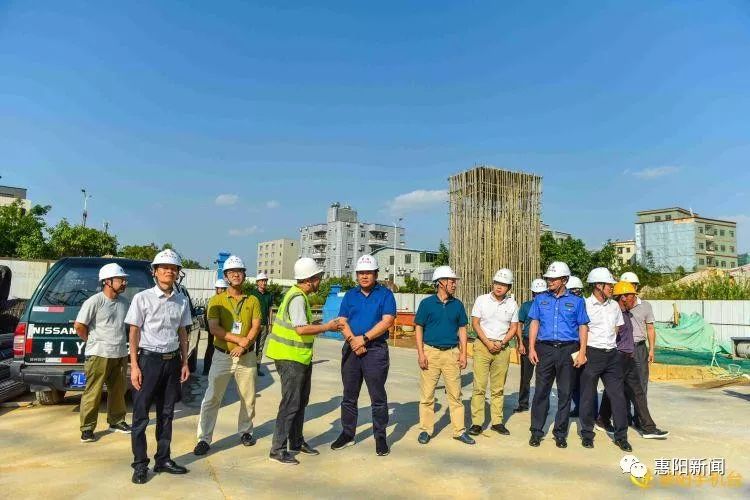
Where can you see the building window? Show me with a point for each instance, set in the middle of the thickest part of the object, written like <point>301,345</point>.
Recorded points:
<point>657,218</point>
<point>390,259</point>
<point>291,244</point>
<point>361,248</point>
<point>668,217</point>
<point>731,233</point>
<point>700,229</point>
<point>350,246</point>
<point>723,248</point>
<point>362,234</point>
<point>407,258</point>
<point>619,250</point>
<point>721,232</point>
<point>700,246</point>
<point>348,262</point>
<point>628,250</point>
<point>701,261</point>
<point>731,249</point>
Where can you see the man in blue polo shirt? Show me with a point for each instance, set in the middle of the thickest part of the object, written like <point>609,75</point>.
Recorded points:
<point>369,310</point>
<point>558,326</point>
<point>441,348</point>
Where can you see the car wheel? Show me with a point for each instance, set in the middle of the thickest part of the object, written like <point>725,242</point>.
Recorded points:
<point>50,397</point>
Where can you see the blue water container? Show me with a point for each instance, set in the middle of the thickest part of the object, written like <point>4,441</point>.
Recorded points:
<point>223,256</point>
<point>331,310</point>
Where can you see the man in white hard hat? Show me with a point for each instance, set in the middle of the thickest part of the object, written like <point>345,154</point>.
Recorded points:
<point>441,350</point>
<point>575,285</point>
<point>494,317</point>
<point>369,310</point>
<point>101,324</point>
<point>220,286</point>
<point>527,367</point>
<point>603,360</point>
<point>265,297</point>
<point>625,295</point>
<point>558,330</point>
<point>234,320</point>
<point>158,319</point>
<point>290,345</point>
<point>644,335</point>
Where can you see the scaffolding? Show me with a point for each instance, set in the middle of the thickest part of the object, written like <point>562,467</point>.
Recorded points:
<point>494,222</point>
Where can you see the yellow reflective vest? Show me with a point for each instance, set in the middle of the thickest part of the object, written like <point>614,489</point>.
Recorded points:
<point>284,343</point>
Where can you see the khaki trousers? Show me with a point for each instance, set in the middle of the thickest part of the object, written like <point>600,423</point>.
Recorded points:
<point>494,367</point>
<point>100,371</point>
<point>443,363</point>
<point>223,368</point>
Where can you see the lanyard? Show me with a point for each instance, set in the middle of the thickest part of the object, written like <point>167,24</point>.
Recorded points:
<point>238,308</point>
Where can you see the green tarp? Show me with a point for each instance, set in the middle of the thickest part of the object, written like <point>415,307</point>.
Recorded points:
<point>692,334</point>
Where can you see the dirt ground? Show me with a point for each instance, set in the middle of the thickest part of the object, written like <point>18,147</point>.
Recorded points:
<point>42,456</point>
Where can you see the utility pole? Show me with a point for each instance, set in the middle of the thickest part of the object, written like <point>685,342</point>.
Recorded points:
<point>85,205</point>
<point>106,227</point>
<point>395,239</point>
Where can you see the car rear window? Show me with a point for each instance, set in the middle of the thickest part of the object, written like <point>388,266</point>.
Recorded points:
<point>77,282</point>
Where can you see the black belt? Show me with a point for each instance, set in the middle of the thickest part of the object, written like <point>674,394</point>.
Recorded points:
<point>599,349</point>
<point>640,342</point>
<point>443,347</point>
<point>163,355</point>
<point>553,343</point>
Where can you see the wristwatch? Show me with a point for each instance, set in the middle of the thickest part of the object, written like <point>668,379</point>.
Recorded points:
<point>364,337</point>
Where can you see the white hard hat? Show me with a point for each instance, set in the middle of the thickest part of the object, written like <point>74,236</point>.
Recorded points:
<point>261,276</point>
<point>574,282</point>
<point>305,268</point>
<point>111,270</point>
<point>167,256</point>
<point>233,262</point>
<point>503,276</point>
<point>538,285</point>
<point>441,272</point>
<point>630,277</point>
<point>600,275</point>
<point>557,270</point>
<point>220,284</point>
<point>366,263</point>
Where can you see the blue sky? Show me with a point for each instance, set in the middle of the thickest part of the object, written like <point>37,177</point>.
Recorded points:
<point>159,108</point>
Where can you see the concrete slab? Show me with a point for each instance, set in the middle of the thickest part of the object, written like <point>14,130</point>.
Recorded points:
<point>43,458</point>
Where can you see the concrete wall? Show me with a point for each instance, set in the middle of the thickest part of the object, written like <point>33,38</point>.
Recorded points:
<point>26,275</point>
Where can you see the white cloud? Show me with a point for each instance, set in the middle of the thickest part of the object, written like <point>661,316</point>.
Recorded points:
<point>224,200</point>
<point>273,204</point>
<point>244,231</point>
<point>420,199</point>
<point>652,173</point>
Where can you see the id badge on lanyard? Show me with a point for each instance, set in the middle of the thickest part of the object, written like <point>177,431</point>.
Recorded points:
<point>237,325</point>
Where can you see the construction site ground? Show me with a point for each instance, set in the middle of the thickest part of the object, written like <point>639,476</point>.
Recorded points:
<point>42,456</point>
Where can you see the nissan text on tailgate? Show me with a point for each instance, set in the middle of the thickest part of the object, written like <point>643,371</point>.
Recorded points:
<point>47,353</point>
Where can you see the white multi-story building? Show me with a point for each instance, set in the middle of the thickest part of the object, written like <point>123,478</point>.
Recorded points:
<point>417,264</point>
<point>337,243</point>
<point>276,258</point>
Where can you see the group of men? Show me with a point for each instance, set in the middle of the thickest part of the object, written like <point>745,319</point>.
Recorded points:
<point>562,336</point>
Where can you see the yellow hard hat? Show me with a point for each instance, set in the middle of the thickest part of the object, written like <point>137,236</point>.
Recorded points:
<point>623,288</point>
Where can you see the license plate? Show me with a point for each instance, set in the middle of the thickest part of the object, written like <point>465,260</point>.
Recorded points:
<point>78,379</point>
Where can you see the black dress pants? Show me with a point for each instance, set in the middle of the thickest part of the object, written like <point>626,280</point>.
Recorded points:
<point>555,365</point>
<point>604,364</point>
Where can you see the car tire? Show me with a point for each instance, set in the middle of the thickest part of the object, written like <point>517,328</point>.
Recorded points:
<point>50,397</point>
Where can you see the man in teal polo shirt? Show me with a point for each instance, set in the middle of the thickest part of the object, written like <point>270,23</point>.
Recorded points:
<point>441,346</point>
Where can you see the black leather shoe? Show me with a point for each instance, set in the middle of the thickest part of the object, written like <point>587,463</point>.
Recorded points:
<point>201,448</point>
<point>247,439</point>
<point>500,429</point>
<point>283,458</point>
<point>587,443</point>
<point>305,449</point>
<point>170,468</point>
<point>561,442</point>
<point>534,441</point>
<point>140,476</point>
<point>624,445</point>
<point>381,447</point>
<point>475,430</point>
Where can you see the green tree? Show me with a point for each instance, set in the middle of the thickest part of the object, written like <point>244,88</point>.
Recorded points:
<point>22,231</point>
<point>443,256</point>
<point>413,285</point>
<point>139,252</point>
<point>78,241</point>
<point>346,283</point>
<point>572,251</point>
<point>192,264</point>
